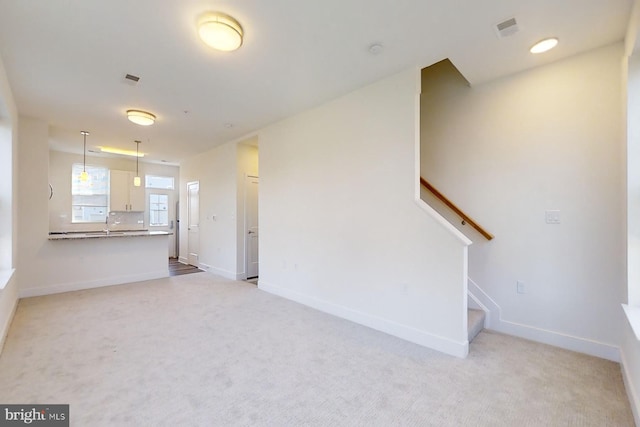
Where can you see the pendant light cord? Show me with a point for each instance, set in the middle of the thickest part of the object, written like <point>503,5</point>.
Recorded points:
<point>84,151</point>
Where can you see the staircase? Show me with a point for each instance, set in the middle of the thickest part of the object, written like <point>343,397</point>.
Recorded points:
<point>475,322</point>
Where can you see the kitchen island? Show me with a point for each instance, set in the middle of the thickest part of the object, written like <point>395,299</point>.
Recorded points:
<point>84,260</point>
<point>72,235</point>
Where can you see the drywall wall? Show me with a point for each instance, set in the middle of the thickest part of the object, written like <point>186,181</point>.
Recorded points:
<point>220,172</point>
<point>247,165</point>
<point>8,302</point>
<point>630,347</point>
<point>215,170</point>
<point>8,155</point>
<point>632,77</point>
<point>340,228</point>
<point>60,165</point>
<point>8,204</point>
<point>509,150</point>
<point>631,368</point>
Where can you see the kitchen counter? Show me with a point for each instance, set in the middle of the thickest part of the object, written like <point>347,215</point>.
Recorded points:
<point>105,234</point>
<point>85,260</point>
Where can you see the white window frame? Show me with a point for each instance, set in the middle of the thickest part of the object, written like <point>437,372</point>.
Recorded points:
<point>151,179</point>
<point>158,208</point>
<point>87,195</point>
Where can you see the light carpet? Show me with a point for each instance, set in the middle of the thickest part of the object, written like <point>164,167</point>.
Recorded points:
<point>198,350</point>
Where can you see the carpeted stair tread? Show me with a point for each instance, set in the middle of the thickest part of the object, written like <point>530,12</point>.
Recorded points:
<point>475,322</point>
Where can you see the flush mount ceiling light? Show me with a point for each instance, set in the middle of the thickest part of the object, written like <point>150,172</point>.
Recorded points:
<point>140,117</point>
<point>544,45</point>
<point>113,150</point>
<point>220,31</point>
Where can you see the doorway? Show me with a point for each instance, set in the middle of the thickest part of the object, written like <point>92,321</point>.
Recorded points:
<point>193,222</point>
<point>251,226</point>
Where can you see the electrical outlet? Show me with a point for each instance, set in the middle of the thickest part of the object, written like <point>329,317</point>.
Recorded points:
<point>520,288</point>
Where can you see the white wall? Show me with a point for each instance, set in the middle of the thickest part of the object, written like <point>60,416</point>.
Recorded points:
<point>546,139</point>
<point>33,197</point>
<point>216,172</point>
<point>247,165</point>
<point>8,204</point>
<point>631,368</point>
<point>340,229</point>
<point>60,178</point>
<point>633,179</point>
<point>630,347</point>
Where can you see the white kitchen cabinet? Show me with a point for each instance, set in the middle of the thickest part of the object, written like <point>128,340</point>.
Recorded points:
<point>123,195</point>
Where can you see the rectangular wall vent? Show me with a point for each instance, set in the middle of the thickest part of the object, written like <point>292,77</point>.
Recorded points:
<point>507,28</point>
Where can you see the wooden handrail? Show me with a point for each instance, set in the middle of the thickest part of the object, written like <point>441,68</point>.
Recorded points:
<point>449,203</point>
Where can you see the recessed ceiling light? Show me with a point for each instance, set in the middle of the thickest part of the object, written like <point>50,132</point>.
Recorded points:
<point>220,31</point>
<point>140,117</point>
<point>544,45</point>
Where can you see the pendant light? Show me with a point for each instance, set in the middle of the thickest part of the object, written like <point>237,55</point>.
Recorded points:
<point>84,176</point>
<point>136,180</point>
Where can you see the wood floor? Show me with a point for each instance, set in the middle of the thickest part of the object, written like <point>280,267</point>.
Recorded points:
<point>177,268</point>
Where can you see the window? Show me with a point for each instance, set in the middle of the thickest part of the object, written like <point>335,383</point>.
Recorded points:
<point>158,210</point>
<point>89,199</point>
<point>160,182</point>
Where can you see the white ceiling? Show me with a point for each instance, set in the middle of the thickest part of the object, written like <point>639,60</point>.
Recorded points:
<point>66,59</point>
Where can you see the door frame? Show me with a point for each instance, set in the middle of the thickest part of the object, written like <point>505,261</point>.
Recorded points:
<point>188,252</point>
<point>246,227</point>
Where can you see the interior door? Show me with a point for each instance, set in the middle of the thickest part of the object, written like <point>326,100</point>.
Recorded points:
<point>193,222</point>
<point>251,221</point>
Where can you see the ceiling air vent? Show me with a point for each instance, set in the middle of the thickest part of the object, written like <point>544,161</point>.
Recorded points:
<point>507,28</point>
<point>131,79</point>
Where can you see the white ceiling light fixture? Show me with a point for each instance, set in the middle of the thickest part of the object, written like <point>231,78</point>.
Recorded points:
<point>220,31</point>
<point>140,117</point>
<point>544,45</point>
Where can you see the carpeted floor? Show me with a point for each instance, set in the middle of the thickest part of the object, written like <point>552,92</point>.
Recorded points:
<point>197,350</point>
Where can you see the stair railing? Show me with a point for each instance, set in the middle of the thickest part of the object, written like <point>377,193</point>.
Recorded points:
<point>466,219</point>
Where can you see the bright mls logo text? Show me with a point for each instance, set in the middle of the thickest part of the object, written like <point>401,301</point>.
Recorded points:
<point>39,415</point>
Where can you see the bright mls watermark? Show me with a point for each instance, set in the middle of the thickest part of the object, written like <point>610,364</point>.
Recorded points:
<point>34,415</point>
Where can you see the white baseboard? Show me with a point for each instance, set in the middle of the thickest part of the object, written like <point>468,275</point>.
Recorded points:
<point>78,286</point>
<point>425,339</point>
<point>630,387</point>
<point>218,271</point>
<point>558,339</point>
<point>183,260</point>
